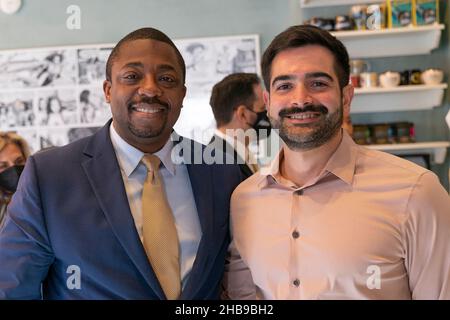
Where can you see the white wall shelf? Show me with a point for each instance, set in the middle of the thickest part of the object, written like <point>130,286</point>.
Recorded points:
<point>391,42</point>
<point>401,98</point>
<point>437,149</point>
<point>329,3</point>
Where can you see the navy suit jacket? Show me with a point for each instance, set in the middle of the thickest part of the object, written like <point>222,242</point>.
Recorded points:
<point>71,211</point>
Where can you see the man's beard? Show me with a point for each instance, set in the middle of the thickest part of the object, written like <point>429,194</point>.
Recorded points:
<point>150,132</point>
<point>310,135</point>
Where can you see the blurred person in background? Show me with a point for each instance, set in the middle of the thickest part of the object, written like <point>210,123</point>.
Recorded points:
<point>13,153</point>
<point>238,106</point>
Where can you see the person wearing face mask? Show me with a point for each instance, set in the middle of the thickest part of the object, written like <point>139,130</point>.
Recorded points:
<point>238,107</point>
<point>13,154</point>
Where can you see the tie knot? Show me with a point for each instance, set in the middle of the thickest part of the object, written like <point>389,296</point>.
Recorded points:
<point>151,161</point>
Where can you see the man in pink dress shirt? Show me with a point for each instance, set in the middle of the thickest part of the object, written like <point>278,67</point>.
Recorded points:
<point>330,219</point>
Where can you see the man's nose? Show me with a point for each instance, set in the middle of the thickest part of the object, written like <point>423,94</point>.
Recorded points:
<point>149,87</point>
<point>301,96</point>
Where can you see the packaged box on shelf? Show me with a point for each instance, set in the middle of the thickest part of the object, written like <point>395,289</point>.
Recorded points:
<point>426,12</point>
<point>400,13</point>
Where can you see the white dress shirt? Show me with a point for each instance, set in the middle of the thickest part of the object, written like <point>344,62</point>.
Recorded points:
<point>178,190</point>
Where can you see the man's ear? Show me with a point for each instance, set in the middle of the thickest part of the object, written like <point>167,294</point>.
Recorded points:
<point>107,90</point>
<point>239,114</point>
<point>347,97</point>
<point>184,94</point>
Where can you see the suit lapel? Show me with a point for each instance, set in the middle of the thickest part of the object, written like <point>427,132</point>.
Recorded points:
<point>103,173</point>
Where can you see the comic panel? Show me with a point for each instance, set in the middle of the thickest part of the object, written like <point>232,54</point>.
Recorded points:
<point>91,65</point>
<point>56,107</point>
<point>211,59</point>
<point>37,68</point>
<point>93,107</point>
<point>16,110</point>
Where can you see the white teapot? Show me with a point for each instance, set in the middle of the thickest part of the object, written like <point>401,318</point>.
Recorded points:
<point>389,79</point>
<point>432,76</point>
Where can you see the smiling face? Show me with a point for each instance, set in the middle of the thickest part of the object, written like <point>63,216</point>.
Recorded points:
<point>146,92</point>
<point>305,102</point>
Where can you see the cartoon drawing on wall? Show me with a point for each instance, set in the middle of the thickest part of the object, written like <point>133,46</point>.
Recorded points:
<point>209,60</point>
<point>245,58</point>
<point>93,107</point>
<point>194,56</point>
<point>16,109</point>
<point>34,68</point>
<point>224,61</point>
<point>56,108</point>
<point>40,93</point>
<point>91,65</point>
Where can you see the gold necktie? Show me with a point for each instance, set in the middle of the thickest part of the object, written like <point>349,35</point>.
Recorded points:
<point>159,232</point>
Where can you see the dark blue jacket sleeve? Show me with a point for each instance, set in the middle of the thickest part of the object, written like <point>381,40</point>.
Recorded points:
<point>25,250</point>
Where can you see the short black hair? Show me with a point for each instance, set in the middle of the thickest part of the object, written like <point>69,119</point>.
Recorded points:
<point>303,35</point>
<point>232,91</point>
<point>143,34</point>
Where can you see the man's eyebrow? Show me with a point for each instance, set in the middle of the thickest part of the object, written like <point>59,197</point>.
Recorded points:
<point>162,67</point>
<point>166,67</point>
<point>308,76</point>
<point>319,75</point>
<point>133,64</point>
<point>282,78</point>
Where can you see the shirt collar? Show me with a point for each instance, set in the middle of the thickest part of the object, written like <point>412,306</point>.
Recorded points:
<point>129,157</point>
<point>341,163</point>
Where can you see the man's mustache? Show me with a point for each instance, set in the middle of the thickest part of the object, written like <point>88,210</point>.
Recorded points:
<point>309,108</point>
<point>150,100</point>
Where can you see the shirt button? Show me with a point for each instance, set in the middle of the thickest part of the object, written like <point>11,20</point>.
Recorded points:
<point>296,282</point>
<point>295,234</point>
<point>299,192</point>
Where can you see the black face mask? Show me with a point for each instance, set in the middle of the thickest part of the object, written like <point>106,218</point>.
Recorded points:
<point>10,178</point>
<point>262,125</point>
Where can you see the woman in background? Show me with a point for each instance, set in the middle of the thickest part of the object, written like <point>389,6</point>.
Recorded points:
<point>13,153</point>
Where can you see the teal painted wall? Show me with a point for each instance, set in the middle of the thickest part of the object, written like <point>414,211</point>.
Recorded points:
<point>43,23</point>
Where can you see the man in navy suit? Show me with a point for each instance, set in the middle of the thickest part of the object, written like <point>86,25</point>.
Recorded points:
<point>74,227</point>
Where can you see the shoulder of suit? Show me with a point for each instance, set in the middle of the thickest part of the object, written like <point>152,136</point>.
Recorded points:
<point>71,150</point>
